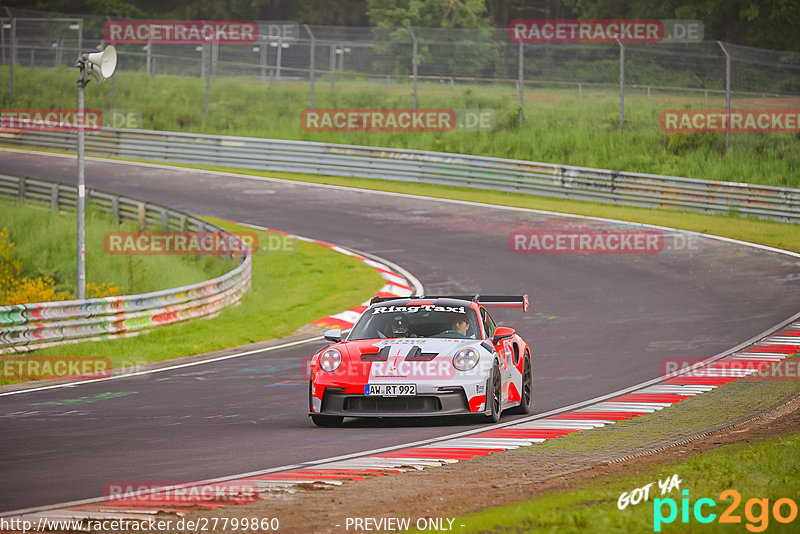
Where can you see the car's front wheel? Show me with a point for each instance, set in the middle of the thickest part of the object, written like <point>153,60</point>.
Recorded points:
<point>493,395</point>
<point>327,420</point>
<point>526,400</point>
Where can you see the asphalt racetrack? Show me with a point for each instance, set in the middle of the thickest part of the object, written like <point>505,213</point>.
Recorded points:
<point>599,323</point>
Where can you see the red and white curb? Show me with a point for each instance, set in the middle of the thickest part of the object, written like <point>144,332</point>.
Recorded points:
<point>333,472</point>
<point>398,282</point>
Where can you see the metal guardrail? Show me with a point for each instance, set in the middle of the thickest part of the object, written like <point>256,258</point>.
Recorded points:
<point>25,327</point>
<point>564,181</point>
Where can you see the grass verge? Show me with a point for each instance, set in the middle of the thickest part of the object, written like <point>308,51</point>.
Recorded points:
<point>290,288</point>
<point>46,242</point>
<point>560,126</point>
<point>765,470</point>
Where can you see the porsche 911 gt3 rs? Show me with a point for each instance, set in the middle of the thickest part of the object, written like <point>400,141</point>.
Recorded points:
<point>423,356</point>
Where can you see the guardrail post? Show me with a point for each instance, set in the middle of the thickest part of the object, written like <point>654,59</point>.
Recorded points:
<point>183,223</point>
<point>142,215</point>
<point>115,209</point>
<point>54,198</point>
<point>164,220</point>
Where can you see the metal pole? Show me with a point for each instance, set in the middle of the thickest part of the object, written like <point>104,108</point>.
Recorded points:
<point>262,52</point>
<point>311,68</point>
<point>414,63</point>
<point>111,94</point>
<point>80,35</point>
<point>81,190</point>
<point>727,95</point>
<point>3,38</point>
<point>208,76</point>
<point>621,83</point>
<point>278,66</point>
<point>13,57</point>
<point>520,84</point>
<point>149,55</point>
<point>333,63</point>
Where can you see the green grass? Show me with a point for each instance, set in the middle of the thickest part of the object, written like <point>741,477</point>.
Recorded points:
<point>46,243</point>
<point>765,470</point>
<point>768,469</point>
<point>559,127</point>
<point>290,288</point>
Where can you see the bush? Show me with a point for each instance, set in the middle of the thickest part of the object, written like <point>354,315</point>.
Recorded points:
<point>20,290</point>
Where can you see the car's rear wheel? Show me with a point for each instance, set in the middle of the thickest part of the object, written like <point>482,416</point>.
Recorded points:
<point>493,395</point>
<point>327,420</point>
<point>526,401</point>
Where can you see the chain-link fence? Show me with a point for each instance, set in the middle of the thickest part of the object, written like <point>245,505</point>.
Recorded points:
<point>404,57</point>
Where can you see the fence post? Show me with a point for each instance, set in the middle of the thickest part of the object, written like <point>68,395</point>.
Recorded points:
<point>621,83</point>
<point>3,37</point>
<point>727,95</point>
<point>414,63</point>
<point>207,72</point>
<point>278,58</point>
<point>521,83</point>
<point>149,55</point>
<point>13,57</point>
<point>21,189</point>
<point>333,63</point>
<point>311,67</point>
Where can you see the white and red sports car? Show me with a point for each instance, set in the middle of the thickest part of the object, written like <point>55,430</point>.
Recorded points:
<point>423,356</point>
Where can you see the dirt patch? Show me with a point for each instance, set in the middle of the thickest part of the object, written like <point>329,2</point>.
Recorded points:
<point>499,479</point>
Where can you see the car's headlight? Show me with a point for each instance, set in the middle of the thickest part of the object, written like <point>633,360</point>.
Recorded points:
<point>466,359</point>
<point>330,360</point>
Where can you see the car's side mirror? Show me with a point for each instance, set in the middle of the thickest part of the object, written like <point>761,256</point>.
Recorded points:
<point>334,335</point>
<point>502,332</point>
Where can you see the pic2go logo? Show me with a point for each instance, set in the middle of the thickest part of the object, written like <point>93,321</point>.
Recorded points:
<point>756,511</point>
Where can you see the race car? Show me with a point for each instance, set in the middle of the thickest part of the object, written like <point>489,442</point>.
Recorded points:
<point>423,356</point>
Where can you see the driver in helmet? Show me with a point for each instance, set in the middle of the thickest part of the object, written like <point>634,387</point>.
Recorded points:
<point>399,326</point>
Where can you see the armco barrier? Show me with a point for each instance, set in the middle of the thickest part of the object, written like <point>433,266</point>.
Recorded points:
<point>498,174</point>
<point>25,327</point>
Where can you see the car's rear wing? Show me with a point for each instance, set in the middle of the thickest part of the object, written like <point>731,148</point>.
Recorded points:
<point>489,301</point>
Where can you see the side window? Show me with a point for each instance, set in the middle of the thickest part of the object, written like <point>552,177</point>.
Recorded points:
<point>488,323</point>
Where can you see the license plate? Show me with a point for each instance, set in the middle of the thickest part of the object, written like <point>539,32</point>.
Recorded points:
<point>391,390</point>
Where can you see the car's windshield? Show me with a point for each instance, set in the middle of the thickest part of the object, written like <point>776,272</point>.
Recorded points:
<point>390,321</point>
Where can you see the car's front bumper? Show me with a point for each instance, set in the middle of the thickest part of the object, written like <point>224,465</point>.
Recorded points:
<point>452,401</point>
